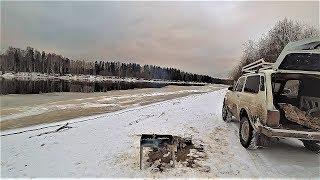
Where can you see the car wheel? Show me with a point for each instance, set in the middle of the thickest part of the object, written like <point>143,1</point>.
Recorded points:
<point>245,132</point>
<point>311,145</point>
<point>226,115</point>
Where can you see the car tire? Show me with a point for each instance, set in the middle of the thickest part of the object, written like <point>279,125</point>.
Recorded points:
<point>311,145</point>
<point>226,115</point>
<point>247,136</point>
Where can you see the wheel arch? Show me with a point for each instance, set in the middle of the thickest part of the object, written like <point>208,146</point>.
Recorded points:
<point>243,113</point>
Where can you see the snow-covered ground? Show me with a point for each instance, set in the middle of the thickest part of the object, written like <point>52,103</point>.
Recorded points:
<point>108,145</point>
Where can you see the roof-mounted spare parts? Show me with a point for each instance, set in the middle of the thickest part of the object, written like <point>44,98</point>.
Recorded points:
<point>256,66</point>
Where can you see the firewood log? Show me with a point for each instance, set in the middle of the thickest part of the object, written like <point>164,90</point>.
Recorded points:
<point>294,114</point>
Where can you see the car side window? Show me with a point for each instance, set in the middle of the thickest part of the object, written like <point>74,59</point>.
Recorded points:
<point>240,84</point>
<point>276,87</point>
<point>252,84</point>
<point>262,87</point>
<point>293,88</point>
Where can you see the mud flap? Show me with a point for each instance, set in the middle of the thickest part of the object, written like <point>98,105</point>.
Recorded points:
<point>259,140</point>
<point>262,140</point>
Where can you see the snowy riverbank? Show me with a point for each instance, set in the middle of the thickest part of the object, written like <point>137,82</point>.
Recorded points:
<point>107,145</point>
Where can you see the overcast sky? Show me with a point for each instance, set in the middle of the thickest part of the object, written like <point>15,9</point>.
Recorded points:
<point>198,37</point>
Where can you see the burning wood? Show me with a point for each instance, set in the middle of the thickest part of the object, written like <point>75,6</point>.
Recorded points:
<point>294,114</point>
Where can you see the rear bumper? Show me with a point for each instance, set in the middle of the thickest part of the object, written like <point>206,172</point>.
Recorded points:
<point>285,133</point>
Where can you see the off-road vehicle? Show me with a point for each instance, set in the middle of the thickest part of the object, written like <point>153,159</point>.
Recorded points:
<point>279,100</point>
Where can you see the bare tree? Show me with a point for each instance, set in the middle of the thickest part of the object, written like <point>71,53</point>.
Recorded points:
<point>270,45</point>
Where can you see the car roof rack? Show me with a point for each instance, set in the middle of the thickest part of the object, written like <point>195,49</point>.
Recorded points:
<point>255,66</point>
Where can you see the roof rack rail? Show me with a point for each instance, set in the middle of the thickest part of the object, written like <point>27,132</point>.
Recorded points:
<point>256,66</point>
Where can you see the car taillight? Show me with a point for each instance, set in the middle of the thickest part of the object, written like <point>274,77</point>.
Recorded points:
<point>273,118</point>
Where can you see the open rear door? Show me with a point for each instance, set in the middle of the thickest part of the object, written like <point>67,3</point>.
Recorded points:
<point>300,57</point>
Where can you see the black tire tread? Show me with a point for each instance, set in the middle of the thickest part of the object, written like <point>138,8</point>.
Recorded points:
<point>228,115</point>
<point>311,145</point>
<point>249,142</point>
<point>254,137</point>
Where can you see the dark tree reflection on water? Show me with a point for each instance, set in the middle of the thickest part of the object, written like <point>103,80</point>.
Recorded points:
<point>16,86</point>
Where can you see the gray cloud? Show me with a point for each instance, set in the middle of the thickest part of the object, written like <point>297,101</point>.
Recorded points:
<point>200,37</point>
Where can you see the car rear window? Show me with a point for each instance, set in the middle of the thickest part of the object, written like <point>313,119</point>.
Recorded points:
<point>301,61</point>
<point>252,84</point>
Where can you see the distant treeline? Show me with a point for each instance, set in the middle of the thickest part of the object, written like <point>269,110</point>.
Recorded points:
<point>31,60</point>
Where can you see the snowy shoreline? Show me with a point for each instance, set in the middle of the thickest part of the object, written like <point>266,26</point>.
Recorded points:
<point>25,110</point>
<point>108,145</point>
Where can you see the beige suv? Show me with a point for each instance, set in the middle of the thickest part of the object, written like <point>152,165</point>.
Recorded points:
<point>280,100</point>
